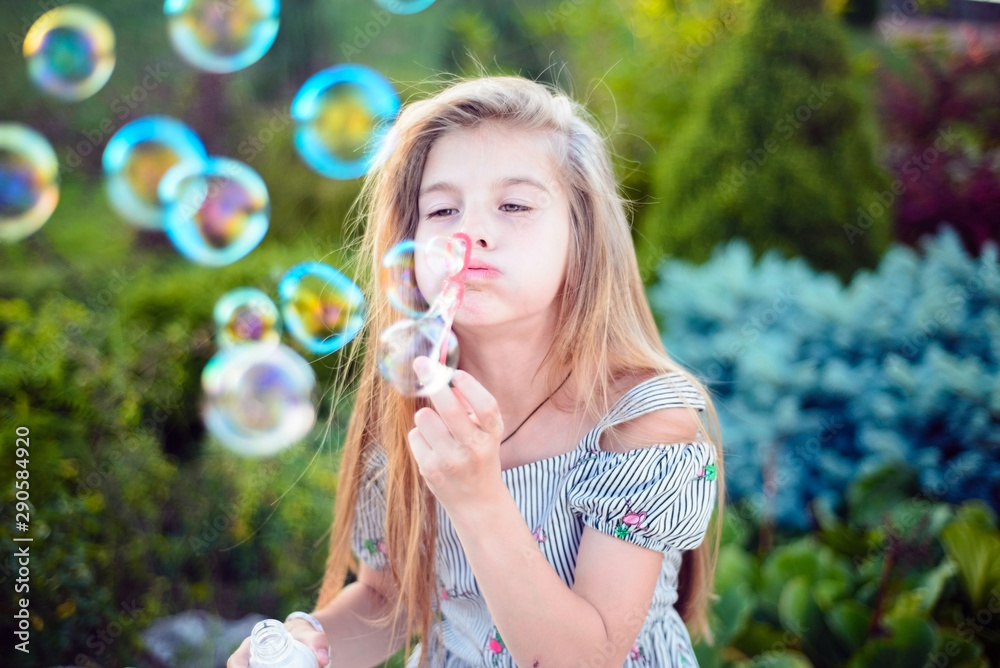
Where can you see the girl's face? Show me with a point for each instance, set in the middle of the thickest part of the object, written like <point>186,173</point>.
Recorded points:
<point>500,187</point>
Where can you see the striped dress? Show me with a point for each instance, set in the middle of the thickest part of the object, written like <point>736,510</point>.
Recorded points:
<point>659,497</point>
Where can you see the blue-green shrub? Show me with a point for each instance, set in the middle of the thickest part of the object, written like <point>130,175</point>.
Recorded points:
<point>817,382</point>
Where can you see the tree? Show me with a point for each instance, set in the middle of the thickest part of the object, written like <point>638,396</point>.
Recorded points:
<point>777,148</point>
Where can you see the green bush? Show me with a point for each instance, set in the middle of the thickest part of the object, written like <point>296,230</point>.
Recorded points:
<point>135,513</point>
<point>898,581</point>
<point>777,148</point>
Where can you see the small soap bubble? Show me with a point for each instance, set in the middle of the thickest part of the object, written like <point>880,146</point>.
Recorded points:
<point>404,6</point>
<point>29,188</point>
<point>322,308</point>
<point>135,160</point>
<point>406,340</point>
<point>70,52</point>
<point>258,398</point>
<point>217,211</point>
<point>342,115</point>
<point>222,35</point>
<point>246,315</point>
<point>440,258</point>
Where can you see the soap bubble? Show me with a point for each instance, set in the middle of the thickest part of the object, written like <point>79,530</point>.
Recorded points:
<point>404,6</point>
<point>406,340</point>
<point>137,157</point>
<point>258,398</point>
<point>70,52</point>
<point>216,211</point>
<point>322,308</point>
<point>442,257</point>
<point>246,315</point>
<point>29,188</point>
<point>342,115</point>
<point>222,35</point>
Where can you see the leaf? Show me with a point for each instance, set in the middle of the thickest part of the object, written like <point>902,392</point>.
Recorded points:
<point>797,608</point>
<point>849,620</point>
<point>973,543</point>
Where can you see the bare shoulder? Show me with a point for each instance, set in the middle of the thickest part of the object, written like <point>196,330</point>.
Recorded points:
<point>659,427</point>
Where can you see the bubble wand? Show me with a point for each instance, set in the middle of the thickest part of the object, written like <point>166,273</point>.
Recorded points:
<point>449,300</point>
<point>427,333</point>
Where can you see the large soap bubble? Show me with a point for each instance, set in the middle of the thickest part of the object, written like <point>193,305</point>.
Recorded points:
<point>442,257</point>
<point>137,157</point>
<point>29,189</point>
<point>222,35</point>
<point>217,211</point>
<point>406,340</point>
<point>70,52</point>
<point>258,398</point>
<point>322,308</point>
<point>342,115</point>
<point>246,315</point>
<point>405,6</point>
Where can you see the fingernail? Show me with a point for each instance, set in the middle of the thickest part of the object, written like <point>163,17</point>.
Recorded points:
<point>324,656</point>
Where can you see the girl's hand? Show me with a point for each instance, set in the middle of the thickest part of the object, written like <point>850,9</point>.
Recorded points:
<point>457,443</point>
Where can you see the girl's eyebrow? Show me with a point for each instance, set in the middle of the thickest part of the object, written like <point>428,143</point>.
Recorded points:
<point>444,186</point>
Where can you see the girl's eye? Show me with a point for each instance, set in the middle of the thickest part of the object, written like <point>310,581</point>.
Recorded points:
<point>440,212</point>
<point>517,208</point>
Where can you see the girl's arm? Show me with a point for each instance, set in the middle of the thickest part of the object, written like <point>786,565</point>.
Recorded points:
<point>356,642</point>
<point>541,621</point>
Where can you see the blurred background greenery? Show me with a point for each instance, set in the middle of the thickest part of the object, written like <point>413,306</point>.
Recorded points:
<point>816,206</point>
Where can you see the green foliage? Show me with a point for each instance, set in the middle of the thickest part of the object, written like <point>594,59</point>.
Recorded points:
<point>881,589</point>
<point>135,513</point>
<point>776,149</point>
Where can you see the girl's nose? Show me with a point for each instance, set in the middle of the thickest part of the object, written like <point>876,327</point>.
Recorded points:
<point>474,225</point>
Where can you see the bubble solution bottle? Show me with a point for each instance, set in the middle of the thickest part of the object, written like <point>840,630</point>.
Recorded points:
<point>272,646</point>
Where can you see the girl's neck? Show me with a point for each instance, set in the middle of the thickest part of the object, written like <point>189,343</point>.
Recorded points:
<point>510,368</point>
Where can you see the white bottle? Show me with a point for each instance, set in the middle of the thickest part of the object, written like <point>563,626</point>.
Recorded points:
<point>272,646</point>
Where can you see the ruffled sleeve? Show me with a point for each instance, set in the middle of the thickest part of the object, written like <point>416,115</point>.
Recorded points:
<point>369,518</point>
<point>660,497</point>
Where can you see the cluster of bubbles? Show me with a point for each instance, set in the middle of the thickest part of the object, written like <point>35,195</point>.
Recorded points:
<point>426,331</point>
<point>158,176</point>
<point>258,391</point>
<point>215,210</point>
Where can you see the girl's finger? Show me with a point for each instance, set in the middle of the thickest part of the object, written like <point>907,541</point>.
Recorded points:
<point>433,428</point>
<point>483,404</point>
<point>421,449</point>
<point>449,408</point>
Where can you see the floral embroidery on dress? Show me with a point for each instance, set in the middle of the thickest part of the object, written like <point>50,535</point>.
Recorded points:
<point>630,520</point>
<point>496,646</point>
<point>707,473</point>
<point>637,654</point>
<point>683,652</point>
<point>372,546</point>
<point>539,535</point>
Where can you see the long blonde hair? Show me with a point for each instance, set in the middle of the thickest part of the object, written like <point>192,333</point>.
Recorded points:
<point>606,332</point>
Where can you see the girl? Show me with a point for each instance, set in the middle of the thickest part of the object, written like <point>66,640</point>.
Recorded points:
<point>549,508</point>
